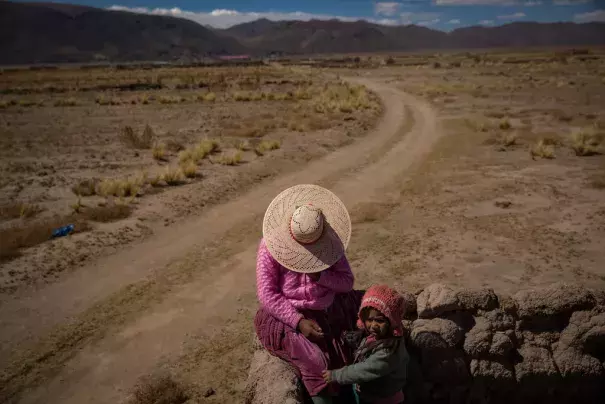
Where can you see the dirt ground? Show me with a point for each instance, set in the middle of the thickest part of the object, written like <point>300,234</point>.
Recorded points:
<point>483,170</point>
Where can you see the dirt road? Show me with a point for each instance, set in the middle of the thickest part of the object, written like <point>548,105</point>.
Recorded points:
<point>89,337</point>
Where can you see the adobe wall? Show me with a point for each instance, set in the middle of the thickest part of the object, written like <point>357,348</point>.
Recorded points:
<point>473,346</point>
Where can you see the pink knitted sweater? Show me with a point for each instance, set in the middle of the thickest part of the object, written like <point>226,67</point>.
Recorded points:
<point>283,292</point>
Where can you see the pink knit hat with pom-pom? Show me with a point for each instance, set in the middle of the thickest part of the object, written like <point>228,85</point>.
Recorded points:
<point>388,302</point>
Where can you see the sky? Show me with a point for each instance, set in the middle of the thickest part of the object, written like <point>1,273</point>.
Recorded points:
<point>439,14</point>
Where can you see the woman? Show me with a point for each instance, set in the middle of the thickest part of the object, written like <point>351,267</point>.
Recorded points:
<point>305,285</point>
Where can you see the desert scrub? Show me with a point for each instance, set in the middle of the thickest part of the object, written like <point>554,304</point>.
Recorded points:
<point>173,176</point>
<point>587,143</point>
<point>230,159</point>
<point>120,187</point>
<point>132,139</point>
<point>159,152</point>
<point>87,187</point>
<point>265,146</point>
<point>207,97</point>
<point>189,169</point>
<point>505,124</point>
<point>199,152</point>
<point>106,214</point>
<point>243,145</point>
<point>69,102</point>
<point>542,150</point>
<point>510,139</point>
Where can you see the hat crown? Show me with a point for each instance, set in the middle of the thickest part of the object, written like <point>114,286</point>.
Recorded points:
<point>307,224</point>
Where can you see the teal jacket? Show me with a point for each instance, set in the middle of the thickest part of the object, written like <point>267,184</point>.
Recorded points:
<point>379,371</point>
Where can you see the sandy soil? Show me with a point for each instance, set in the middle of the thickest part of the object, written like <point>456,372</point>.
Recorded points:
<point>437,192</point>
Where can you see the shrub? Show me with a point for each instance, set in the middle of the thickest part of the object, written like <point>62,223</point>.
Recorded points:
<point>231,159</point>
<point>542,150</point>
<point>586,143</point>
<point>189,169</point>
<point>510,139</point>
<point>69,102</point>
<point>265,146</point>
<point>159,152</point>
<point>85,187</point>
<point>505,124</point>
<point>132,139</point>
<point>173,176</point>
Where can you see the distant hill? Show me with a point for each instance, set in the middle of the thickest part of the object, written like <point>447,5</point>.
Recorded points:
<point>360,36</point>
<point>55,33</point>
<point>49,33</point>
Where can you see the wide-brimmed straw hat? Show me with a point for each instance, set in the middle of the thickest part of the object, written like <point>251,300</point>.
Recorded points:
<point>307,228</point>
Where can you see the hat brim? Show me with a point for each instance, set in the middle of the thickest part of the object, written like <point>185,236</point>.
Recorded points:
<point>317,256</point>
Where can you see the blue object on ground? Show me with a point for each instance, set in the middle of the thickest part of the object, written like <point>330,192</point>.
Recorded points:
<point>63,231</point>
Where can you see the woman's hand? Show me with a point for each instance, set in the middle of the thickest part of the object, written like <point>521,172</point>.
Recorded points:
<point>310,329</point>
<point>327,375</point>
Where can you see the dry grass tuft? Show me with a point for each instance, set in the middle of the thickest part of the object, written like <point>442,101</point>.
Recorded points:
<point>542,150</point>
<point>120,187</point>
<point>159,152</point>
<point>505,124</point>
<point>200,151</point>
<point>132,139</point>
<point>587,143</point>
<point>69,102</point>
<point>265,146</point>
<point>174,145</point>
<point>158,389</point>
<point>231,159</point>
<point>173,176</point>
<point>243,145</point>
<point>189,169</point>
<point>510,139</point>
<point>87,187</point>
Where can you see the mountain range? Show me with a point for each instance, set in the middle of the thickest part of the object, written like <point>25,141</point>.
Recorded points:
<point>54,33</point>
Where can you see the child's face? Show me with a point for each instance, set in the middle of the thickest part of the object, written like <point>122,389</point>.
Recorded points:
<point>377,324</point>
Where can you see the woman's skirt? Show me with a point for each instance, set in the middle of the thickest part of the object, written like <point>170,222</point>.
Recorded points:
<point>309,358</point>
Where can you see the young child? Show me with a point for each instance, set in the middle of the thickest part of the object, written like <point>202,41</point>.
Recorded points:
<point>380,367</point>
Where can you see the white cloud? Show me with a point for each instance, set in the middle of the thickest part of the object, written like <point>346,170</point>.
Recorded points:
<point>527,3</point>
<point>571,2</point>
<point>514,16</point>
<point>428,23</point>
<point>422,18</point>
<point>222,18</point>
<point>454,22</point>
<point>486,22</point>
<point>474,2</point>
<point>597,15</point>
<point>386,8</point>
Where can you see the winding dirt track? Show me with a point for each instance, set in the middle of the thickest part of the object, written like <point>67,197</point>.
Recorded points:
<point>142,305</point>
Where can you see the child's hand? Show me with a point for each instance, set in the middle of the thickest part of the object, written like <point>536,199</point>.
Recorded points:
<point>327,375</point>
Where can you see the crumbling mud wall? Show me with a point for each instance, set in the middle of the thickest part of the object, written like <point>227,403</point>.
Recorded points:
<point>472,346</point>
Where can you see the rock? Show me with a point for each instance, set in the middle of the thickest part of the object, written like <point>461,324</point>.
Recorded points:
<point>536,365</point>
<point>573,363</point>
<point>478,339</point>
<point>463,319</point>
<point>437,333</point>
<point>409,303</point>
<point>283,387</point>
<point>541,339</point>
<point>508,305</point>
<point>472,300</point>
<point>535,306</point>
<point>501,345</point>
<point>447,367</point>
<point>491,370</point>
<point>209,392</point>
<point>436,299</point>
<point>593,342</point>
<point>499,319</point>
